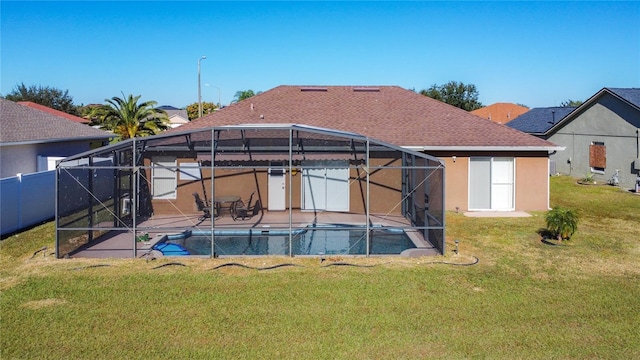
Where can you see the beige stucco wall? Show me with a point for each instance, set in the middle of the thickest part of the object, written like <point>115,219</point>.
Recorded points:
<point>531,179</point>
<point>531,185</point>
<point>386,188</point>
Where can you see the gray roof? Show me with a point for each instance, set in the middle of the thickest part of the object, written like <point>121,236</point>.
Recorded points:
<point>167,107</point>
<point>539,120</point>
<point>171,111</point>
<point>631,95</point>
<point>24,125</point>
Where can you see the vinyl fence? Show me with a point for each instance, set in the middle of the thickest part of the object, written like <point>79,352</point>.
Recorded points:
<point>26,200</point>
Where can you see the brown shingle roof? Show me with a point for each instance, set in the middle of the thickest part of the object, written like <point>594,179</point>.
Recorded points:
<point>23,124</point>
<point>387,113</point>
<point>500,113</point>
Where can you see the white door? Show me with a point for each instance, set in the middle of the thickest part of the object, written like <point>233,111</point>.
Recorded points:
<point>314,189</point>
<point>277,185</point>
<point>337,189</point>
<point>502,184</point>
<point>325,189</point>
<point>491,183</point>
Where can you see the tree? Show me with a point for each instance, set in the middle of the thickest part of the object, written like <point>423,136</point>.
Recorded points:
<point>454,93</point>
<point>94,113</point>
<point>244,94</point>
<point>207,108</point>
<point>571,103</point>
<point>44,95</point>
<point>128,119</point>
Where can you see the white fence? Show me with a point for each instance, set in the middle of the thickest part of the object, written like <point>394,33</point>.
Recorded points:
<point>26,200</point>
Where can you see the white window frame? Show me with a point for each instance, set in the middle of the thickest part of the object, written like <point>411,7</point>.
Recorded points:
<point>161,164</point>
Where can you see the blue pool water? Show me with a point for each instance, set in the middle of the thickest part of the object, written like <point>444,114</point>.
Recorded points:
<point>325,240</point>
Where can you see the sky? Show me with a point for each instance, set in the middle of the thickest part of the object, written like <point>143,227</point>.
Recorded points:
<point>531,53</point>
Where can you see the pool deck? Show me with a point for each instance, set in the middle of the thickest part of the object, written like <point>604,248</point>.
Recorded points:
<point>119,244</point>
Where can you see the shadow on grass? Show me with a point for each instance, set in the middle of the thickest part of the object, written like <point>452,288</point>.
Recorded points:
<point>548,238</point>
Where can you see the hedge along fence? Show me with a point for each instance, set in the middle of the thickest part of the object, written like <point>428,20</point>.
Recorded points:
<point>26,200</point>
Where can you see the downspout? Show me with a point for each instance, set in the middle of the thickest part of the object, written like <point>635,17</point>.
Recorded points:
<point>638,143</point>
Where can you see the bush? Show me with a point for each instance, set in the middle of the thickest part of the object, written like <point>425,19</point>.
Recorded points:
<point>588,179</point>
<point>561,222</point>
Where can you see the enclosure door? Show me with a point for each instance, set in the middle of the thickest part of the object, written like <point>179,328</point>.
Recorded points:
<point>277,191</point>
<point>325,189</point>
<point>491,183</point>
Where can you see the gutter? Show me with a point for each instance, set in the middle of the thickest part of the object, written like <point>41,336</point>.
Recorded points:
<point>486,148</point>
<point>47,141</point>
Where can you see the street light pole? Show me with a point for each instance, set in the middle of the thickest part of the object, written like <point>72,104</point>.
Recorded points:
<point>219,103</point>
<point>199,94</point>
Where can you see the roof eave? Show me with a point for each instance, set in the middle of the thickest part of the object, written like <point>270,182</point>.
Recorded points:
<point>485,148</point>
<point>589,102</point>
<point>48,141</point>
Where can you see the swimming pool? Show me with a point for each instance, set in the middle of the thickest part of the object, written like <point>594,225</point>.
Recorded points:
<point>315,240</point>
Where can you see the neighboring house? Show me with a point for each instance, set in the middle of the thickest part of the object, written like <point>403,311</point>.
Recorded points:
<point>176,116</point>
<point>538,121</point>
<point>54,112</point>
<point>488,166</point>
<point>32,139</point>
<point>500,113</point>
<point>601,136</point>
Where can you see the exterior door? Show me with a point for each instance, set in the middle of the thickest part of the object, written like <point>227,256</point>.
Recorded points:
<point>277,192</point>
<point>491,183</point>
<point>325,189</point>
<point>502,184</point>
<point>314,189</point>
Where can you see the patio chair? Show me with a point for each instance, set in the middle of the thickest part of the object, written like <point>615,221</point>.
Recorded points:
<point>206,213</point>
<point>243,211</point>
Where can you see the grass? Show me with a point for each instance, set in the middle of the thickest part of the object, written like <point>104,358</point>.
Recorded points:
<point>524,299</point>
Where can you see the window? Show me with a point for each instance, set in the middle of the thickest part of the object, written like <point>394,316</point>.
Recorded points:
<point>190,171</point>
<point>597,157</point>
<point>163,177</point>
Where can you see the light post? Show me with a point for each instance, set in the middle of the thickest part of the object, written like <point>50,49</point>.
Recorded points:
<point>213,86</point>
<point>199,95</point>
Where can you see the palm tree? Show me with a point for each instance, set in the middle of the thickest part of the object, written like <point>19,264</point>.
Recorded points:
<point>128,119</point>
<point>244,94</point>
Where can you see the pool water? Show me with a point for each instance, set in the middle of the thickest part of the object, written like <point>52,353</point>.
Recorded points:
<point>309,241</point>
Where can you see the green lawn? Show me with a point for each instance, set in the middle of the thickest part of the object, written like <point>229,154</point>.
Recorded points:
<point>524,299</point>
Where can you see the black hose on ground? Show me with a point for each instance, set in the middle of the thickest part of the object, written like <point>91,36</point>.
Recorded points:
<point>475,261</point>
<point>44,248</point>
<point>169,264</point>
<point>91,266</point>
<point>254,268</point>
<point>348,264</point>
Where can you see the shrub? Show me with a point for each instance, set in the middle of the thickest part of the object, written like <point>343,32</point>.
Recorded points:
<point>561,222</point>
<point>588,178</point>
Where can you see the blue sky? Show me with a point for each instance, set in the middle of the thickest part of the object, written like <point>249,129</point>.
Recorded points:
<point>532,53</point>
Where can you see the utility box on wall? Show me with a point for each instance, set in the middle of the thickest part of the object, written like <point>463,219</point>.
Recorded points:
<point>636,165</point>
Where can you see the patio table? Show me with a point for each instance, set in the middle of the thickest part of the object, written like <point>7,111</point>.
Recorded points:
<point>231,200</point>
